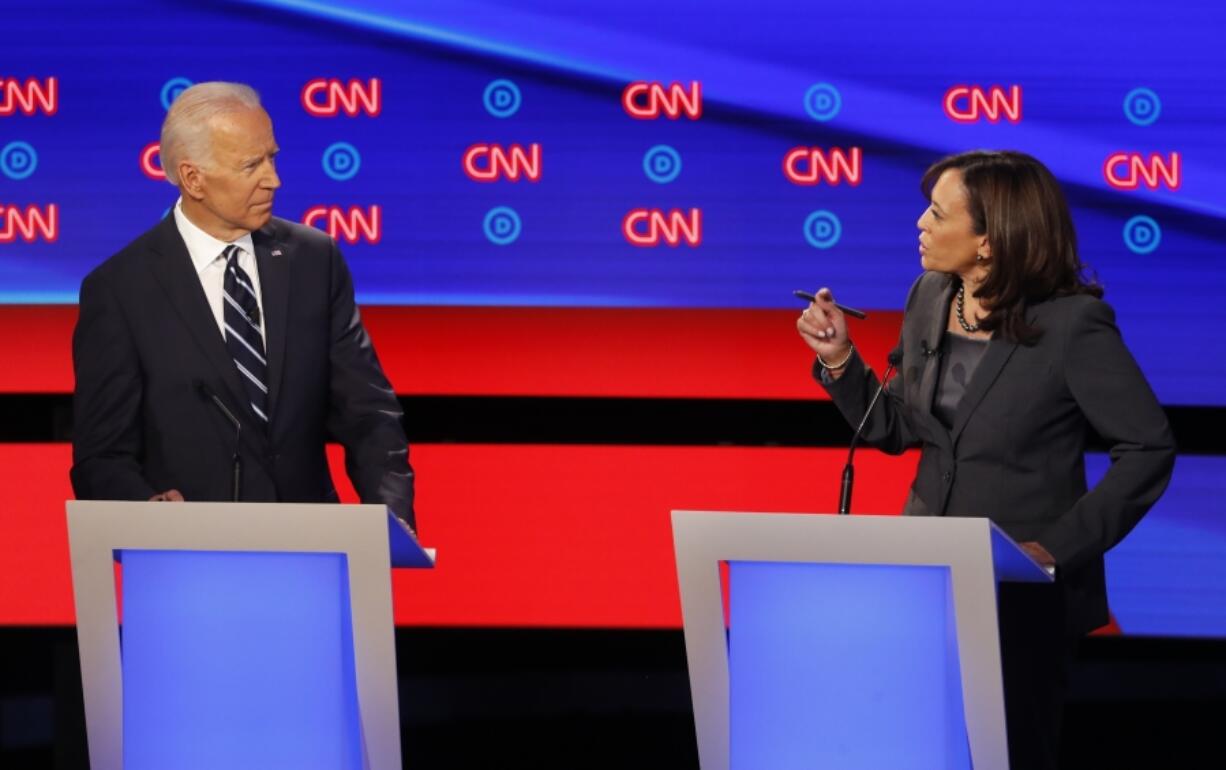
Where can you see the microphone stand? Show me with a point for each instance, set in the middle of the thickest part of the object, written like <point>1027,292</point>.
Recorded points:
<point>849,472</point>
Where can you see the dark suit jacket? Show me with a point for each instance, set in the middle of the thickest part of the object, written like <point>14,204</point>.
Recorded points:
<point>1015,452</point>
<point>146,338</point>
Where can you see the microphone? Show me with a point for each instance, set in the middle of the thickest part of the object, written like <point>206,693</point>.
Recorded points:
<point>208,395</point>
<point>849,472</point>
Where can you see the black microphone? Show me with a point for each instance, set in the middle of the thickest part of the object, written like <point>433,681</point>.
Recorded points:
<point>849,472</point>
<point>207,393</point>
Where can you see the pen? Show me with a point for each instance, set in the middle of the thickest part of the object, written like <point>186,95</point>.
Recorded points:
<point>851,311</point>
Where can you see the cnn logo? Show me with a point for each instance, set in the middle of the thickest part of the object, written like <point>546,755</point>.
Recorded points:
<point>651,227</point>
<point>151,162</point>
<point>329,97</point>
<point>649,100</point>
<point>490,162</point>
<point>808,166</point>
<point>29,98</point>
<point>969,104</point>
<point>1130,170</point>
<point>30,225</point>
<point>352,226</point>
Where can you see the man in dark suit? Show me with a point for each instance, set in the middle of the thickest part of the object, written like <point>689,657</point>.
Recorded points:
<point>223,312</point>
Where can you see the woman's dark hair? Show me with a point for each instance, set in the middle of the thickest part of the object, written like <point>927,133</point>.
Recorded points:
<point>1017,203</point>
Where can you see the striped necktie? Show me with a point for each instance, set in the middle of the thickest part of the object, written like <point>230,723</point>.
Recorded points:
<point>243,340</point>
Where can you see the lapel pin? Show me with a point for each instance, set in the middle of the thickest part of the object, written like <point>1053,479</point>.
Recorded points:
<point>276,252</point>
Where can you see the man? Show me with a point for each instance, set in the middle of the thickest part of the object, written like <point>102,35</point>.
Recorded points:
<point>220,314</point>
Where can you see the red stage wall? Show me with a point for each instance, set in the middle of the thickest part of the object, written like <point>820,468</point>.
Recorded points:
<point>528,535</point>
<point>530,351</point>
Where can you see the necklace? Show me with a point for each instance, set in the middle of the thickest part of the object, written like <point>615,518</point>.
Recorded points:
<point>961,302</point>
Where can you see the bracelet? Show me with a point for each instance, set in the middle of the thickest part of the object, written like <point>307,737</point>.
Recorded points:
<point>834,367</point>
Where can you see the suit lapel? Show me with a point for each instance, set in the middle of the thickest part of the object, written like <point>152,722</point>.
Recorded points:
<point>272,260</point>
<point>994,359</point>
<point>172,267</point>
<point>932,331</point>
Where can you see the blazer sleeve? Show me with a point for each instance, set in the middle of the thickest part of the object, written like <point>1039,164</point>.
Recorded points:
<point>106,441</point>
<point>364,413</point>
<point>1117,401</point>
<point>888,427</point>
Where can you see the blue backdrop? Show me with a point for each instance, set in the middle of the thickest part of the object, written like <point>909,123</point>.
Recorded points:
<point>1093,79</point>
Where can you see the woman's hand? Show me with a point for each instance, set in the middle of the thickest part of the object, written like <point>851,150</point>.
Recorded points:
<point>824,329</point>
<point>1038,553</point>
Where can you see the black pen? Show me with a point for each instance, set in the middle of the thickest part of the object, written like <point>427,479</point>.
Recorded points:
<point>851,311</point>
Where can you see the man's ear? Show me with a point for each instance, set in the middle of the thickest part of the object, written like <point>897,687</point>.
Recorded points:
<point>191,180</point>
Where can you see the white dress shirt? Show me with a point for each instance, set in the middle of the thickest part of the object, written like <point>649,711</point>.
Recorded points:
<point>205,251</point>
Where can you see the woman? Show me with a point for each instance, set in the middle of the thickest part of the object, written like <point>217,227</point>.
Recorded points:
<point>1008,355</point>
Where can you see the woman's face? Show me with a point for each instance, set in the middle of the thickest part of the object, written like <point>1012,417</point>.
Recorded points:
<point>948,243</point>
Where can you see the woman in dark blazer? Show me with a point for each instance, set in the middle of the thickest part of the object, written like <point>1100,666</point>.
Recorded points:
<point>1008,357</point>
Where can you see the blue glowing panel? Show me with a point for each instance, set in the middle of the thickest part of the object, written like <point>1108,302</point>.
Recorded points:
<point>844,666</point>
<point>536,152</point>
<point>1168,576</point>
<point>238,660</point>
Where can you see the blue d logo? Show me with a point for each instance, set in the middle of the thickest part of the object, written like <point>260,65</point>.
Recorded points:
<point>823,229</point>
<point>502,98</point>
<point>823,102</point>
<point>18,160</point>
<point>502,225</point>
<point>1142,106</point>
<point>171,90</point>
<point>662,164</point>
<point>1142,235</point>
<point>342,161</point>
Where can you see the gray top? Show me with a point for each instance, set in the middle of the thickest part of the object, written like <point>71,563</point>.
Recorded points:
<point>959,357</point>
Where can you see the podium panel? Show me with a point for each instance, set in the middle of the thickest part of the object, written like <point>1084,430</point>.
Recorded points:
<point>238,660</point>
<point>844,665</point>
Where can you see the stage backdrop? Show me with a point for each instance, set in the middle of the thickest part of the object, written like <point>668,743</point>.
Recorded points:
<point>620,167</point>
<point>641,154</point>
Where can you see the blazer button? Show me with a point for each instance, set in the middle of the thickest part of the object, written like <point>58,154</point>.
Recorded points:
<point>946,477</point>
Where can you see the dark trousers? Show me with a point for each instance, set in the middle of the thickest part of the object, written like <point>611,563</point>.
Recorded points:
<point>1036,653</point>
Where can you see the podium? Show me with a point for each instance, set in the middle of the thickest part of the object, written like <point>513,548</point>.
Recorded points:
<point>849,641</point>
<point>254,635</point>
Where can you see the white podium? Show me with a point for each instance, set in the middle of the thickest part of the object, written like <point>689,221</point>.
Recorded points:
<point>850,642</point>
<point>254,635</point>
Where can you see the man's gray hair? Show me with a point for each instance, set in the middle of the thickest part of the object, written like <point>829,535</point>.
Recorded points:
<point>185,132</point>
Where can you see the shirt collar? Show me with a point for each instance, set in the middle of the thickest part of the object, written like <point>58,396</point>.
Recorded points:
<point>202,247</point>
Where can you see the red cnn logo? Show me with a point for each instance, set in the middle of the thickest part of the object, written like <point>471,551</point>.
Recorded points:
<point>1128,170</point>
<point>966,104</point>
<point>328,97</point>
<point>808,166</point>
<point>30,223</point>
<point>151,162</point>
<point>646,101</point>
<point>30,97</point>
<point>490,162</point>
<point>647,227</point>
<point>350,226</point>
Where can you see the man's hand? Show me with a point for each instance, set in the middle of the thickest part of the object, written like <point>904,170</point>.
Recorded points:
<point>170,495</point>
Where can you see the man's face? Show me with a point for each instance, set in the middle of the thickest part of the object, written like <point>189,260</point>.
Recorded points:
<point>238,184</point>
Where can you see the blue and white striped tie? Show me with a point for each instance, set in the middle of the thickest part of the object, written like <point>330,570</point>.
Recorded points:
<point>243,339</point>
